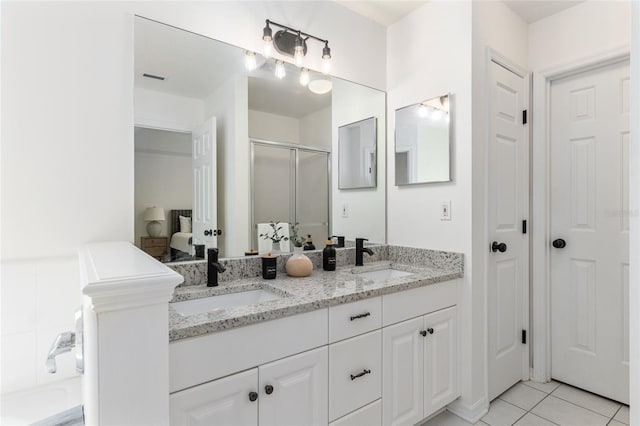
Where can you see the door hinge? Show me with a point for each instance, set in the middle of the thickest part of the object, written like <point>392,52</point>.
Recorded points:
<point>524,226</point>
<point>524,337</point>
<point>524,116</point>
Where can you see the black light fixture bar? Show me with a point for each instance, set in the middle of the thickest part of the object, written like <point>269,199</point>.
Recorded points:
<point>293,30</point>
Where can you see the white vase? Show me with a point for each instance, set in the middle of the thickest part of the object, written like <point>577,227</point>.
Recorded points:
<point>298,264</point>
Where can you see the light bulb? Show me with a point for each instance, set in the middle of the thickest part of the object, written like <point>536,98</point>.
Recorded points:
<point>268,48</point>
<point>304,76</point>
<point>298,51</point>
<point>280,71</point>
<point>250,61</point>
<point>326,59</point>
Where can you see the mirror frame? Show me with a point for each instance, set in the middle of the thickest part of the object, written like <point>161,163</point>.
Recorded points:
<point>451,140</point>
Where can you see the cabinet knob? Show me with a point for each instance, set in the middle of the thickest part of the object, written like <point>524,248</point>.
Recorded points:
<point>268,389</point>
<point>253,396</point>
<point>430,330</point>
<point>423,333</point>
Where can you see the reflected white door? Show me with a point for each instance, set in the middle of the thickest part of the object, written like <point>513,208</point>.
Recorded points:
<point>204,214</point>
<point>508,206</point>
<point>589,205</point>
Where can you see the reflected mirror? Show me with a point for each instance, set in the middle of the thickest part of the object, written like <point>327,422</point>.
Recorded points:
<point>222,148</point>
<point>423,142</point>
<point>357,154</point>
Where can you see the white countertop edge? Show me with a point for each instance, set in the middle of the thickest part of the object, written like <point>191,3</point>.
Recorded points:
<point>117,275</point>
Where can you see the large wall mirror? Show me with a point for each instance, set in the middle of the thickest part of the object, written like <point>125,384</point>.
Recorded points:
<point>357,154</point>
<point>423,142</point>
<point>222,149</point>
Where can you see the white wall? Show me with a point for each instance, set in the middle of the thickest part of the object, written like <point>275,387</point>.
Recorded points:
<point>584,30</point>
<point>67,140</point>
<point>315,129</point>
<point>273,127</point>
<point>163,176</point>
<point>166,111</point>
<point>366,207</point>
<point>230,105</point>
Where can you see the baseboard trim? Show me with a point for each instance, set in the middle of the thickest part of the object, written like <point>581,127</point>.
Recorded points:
<point>470,413</point>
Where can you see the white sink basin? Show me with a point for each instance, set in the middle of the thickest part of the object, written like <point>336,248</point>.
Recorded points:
<point>208,304</point>
<point>383,274</point>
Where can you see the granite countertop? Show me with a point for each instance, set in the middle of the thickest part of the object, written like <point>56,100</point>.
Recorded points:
<point>320,290</point>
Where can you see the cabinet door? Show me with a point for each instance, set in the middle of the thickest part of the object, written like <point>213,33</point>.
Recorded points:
<point>440,360</point>
<point>223,402</point>
<point>294,390</point>
<point>402,373</point>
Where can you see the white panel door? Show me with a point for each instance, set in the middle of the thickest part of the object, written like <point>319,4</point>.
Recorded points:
<point>440,360</point>
<point>223,402</point>
<point>204,214</point>
<point>508,207</point>
<point>294,390</point>
<point>589,212</point>
<point>403,373</point>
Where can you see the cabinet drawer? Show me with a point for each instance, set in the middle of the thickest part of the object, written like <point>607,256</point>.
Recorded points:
<point>156,251</point>
<point>370,415</point>
<point>404,305</point>
<point>355,373</point>
<point>155,242</point>
<point>354,318</point>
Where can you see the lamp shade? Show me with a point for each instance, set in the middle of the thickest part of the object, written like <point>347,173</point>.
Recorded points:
<point>154,213</point>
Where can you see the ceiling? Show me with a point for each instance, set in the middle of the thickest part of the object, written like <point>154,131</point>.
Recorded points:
<point>194,66</point>
<point>390,11</point>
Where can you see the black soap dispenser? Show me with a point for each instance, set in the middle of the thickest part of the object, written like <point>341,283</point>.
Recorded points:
<point>329,256</point>
<point>309,244</point>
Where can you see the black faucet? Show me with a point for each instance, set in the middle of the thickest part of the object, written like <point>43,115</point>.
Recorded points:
<point>340,240</point>
<point>213,267</point>
<point>361,249</point>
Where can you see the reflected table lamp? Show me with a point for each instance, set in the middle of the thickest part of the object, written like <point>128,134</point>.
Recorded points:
<point>154,215</point>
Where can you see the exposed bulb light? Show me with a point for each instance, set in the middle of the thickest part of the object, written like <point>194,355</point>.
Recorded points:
<point>280,71</point>
<point>298,51</point>
<point>304,76</point>
<point>326,59</point>
<point>267,36</point>
<point>250,61</point>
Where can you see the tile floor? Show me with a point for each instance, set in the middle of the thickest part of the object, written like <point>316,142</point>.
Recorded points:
<point>545,404</point>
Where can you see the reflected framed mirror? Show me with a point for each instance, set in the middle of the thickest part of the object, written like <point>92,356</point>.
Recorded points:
<point>357,144</point>
<point>424,141</point>
<point>271,146</point>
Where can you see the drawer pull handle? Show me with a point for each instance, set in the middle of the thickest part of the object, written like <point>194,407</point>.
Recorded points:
<point>366,314</point>
<point>353,377</point>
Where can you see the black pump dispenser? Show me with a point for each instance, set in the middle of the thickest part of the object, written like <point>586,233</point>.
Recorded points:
<point>309,244</point>
<point>329,256</point>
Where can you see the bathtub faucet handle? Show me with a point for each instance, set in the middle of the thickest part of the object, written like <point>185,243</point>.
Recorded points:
<point>64,342</point>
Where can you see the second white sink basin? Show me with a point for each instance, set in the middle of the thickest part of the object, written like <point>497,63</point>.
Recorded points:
<point>212,303</point>
<point>383,274</point>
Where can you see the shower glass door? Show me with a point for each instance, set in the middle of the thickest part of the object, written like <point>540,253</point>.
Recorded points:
<point>290,183</point>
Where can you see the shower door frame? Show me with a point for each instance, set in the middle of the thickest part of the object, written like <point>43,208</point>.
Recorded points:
<point>294,191</point>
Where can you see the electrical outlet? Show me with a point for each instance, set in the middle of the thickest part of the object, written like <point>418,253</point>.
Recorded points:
<point>445,210</point>
<point>345,210</point>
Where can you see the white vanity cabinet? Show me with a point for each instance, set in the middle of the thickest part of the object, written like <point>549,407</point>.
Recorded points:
<point>290,391</point>
<point>419,355</point>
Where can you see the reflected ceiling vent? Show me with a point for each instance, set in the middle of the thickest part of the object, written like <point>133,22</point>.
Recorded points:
<point>155,77</point>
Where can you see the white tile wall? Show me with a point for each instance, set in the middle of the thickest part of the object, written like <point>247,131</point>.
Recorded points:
<point>38,300</point>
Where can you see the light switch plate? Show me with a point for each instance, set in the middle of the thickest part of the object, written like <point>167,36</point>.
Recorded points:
<point>445,210</point>
<point>345,210</point>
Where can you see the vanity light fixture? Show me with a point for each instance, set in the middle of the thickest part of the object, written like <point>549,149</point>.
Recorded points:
<point>292,42</point>
<point>320,86</point>
<point>304,76</point>
<point>280,71</point>
<point>250,61</point>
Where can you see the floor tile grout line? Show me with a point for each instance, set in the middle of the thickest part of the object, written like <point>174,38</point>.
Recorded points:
<point>542,417</point>
<point>548,393</point>
<point>588,409</point>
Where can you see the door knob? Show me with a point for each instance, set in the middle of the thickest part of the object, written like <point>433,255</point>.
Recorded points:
<point>496,246</point>
<point>559,243</point>
<point>268,389</point>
